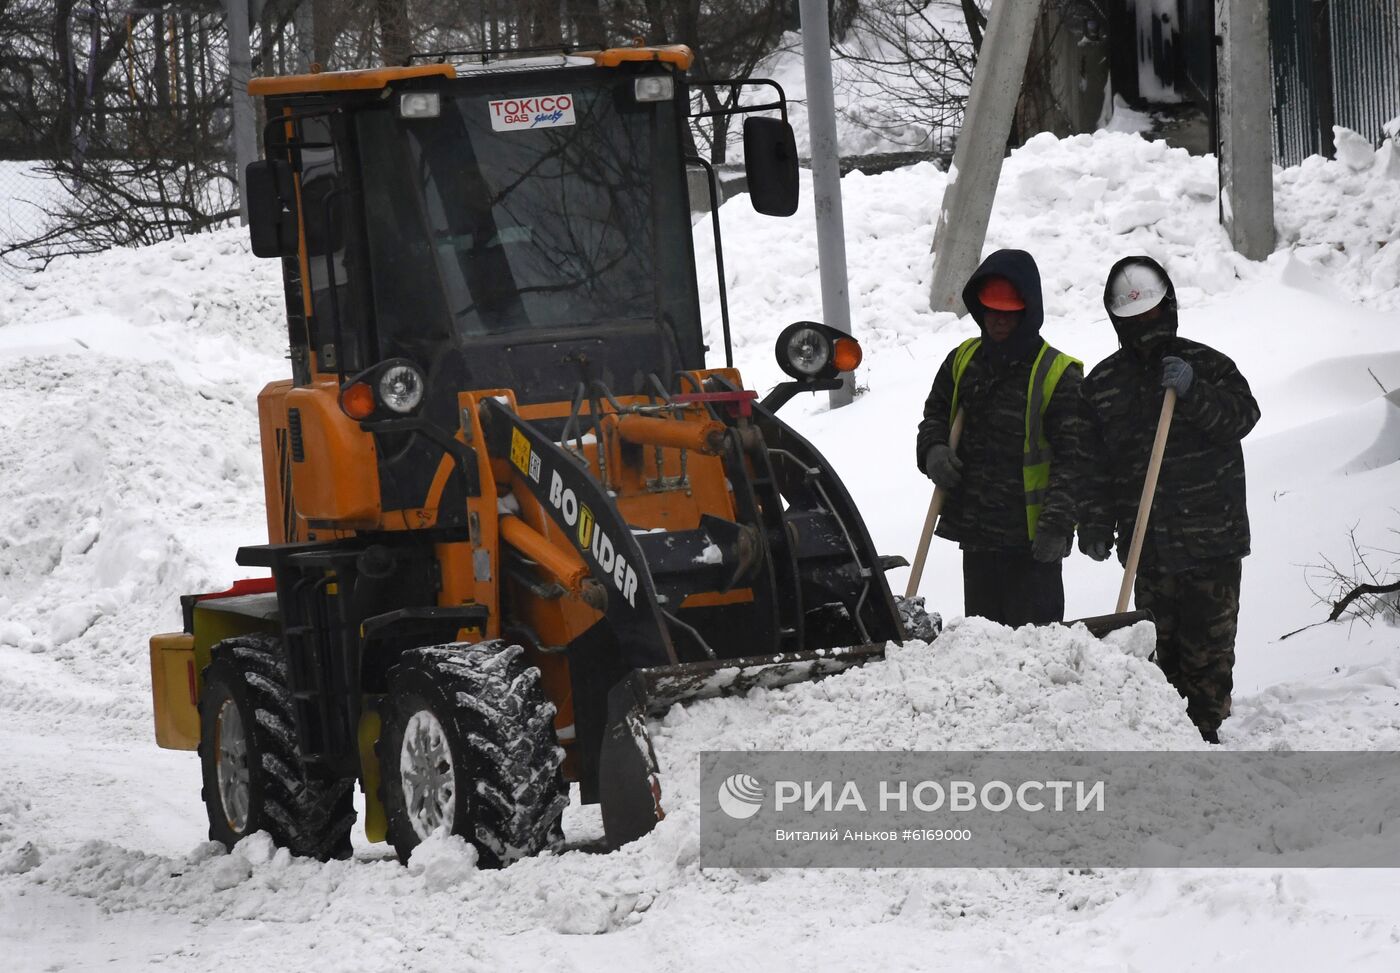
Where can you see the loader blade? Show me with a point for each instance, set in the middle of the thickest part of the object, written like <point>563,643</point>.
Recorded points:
<point>628,773</point>
<point>629,780</point>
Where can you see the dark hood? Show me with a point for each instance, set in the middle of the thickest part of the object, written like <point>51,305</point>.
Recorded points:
<point>1018,267</point>
<point>1144,341</point>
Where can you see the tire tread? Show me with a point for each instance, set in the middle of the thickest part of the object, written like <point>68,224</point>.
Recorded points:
<point>308,816</point>
<point>501,717</point>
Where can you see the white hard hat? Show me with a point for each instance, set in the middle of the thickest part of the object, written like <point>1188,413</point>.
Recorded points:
<point>1135,288</point>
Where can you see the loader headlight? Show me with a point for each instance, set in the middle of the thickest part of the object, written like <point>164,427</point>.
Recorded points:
<point>388,390</point>
<point>805,353</point>
<point>401,388</point>
<point>808,350</point>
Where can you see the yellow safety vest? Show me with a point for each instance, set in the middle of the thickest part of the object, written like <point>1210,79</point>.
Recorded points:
<point>1049,365</point>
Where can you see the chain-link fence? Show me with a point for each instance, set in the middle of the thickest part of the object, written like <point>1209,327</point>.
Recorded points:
<point>27,194</point>
<point>114,121</point>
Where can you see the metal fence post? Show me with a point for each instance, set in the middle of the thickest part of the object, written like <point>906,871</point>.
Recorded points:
<point>826,179</point>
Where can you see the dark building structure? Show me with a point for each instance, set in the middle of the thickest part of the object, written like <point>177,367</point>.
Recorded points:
<point>1334,62</point>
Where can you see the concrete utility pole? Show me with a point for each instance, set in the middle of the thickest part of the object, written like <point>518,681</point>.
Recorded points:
<point>305,19</point>
<point>826,178</point>
<point>240,69</point>
<point>1245,100</point>
<point>972,182</point>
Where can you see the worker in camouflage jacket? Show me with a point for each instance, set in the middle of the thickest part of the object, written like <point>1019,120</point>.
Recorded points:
<point>1010,497</point>
<point>1198,532</point>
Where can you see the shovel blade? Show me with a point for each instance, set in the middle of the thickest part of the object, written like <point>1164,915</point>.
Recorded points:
<point>1101,625</point>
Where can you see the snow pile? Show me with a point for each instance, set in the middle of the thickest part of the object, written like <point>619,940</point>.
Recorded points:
<point>207,305</point>
<point>1119,116</point>
<point>110,495</point>
<point>131,454</point>
<point>1343,218</point>
<point>979,687</point>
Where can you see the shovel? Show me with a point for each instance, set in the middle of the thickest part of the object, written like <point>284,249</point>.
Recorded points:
<point>1149,490</point>
<point>935,507</point>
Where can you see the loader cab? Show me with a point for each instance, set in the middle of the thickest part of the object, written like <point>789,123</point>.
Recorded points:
<point>513,226</point>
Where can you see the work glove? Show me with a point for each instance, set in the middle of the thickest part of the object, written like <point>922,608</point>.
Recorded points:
<point>1096,542</point>
<point>1050,545</point>
<point>943,466</point>
<point>1177,374</point>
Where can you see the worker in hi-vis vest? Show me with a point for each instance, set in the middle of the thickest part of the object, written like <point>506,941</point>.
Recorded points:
<point>1011,492</point>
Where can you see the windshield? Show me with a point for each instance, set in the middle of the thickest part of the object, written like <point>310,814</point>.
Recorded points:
<point>527,206</point>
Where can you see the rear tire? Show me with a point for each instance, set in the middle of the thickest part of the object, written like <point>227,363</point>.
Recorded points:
<point>468,747</point>
<point>254,777</point>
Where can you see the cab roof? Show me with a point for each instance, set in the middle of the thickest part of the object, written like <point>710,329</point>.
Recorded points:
<point>375,78</point>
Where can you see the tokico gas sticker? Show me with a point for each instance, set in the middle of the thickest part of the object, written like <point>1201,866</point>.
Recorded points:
<point>536,111</point>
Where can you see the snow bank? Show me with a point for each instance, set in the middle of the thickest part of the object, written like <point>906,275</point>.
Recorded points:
<point>1076,204</point>
<point>131,455</point>
<point>200,301</point>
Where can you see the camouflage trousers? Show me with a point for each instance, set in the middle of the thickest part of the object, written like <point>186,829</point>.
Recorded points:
<point>1196,611</point>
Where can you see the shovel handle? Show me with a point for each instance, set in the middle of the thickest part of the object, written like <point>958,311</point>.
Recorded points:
<point>1149,489</point>
<point>935,507</point>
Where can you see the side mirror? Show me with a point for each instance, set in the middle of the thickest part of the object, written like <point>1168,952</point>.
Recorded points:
<point>770,164</point>
<point>272,221</point>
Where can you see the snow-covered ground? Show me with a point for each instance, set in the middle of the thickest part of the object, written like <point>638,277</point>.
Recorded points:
<point>128,443</point>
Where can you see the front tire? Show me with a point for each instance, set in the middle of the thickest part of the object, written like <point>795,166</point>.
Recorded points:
<point>468,748</point>
<point>254,777</point>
